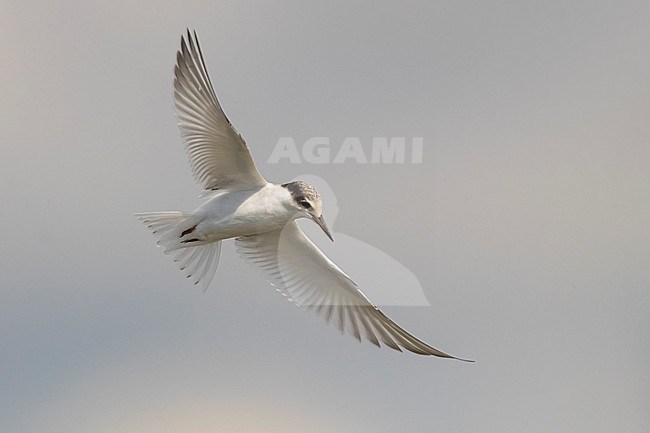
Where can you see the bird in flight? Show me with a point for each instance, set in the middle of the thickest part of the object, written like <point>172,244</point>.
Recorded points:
<point>260,215</point>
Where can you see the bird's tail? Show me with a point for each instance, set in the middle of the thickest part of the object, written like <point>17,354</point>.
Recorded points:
<point>167,227</point>
<point>172,229</point>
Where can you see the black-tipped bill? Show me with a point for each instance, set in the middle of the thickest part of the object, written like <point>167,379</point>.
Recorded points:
<point>321,223</point>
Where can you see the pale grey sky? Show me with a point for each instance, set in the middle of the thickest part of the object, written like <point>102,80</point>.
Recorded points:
<point>526,224</point>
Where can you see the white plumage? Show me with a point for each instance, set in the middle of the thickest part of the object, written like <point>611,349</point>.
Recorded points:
<point>261,217</point>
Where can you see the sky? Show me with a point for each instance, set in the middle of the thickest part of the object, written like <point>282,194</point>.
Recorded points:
<point>526,223</point>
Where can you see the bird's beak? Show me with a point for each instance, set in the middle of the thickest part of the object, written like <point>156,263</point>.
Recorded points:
<point>321,223</point>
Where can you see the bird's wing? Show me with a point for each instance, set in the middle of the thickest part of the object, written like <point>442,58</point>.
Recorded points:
<point>217,153</point>
<point>297,268</point>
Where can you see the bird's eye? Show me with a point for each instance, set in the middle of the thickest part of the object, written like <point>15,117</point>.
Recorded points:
<point>305,204</point>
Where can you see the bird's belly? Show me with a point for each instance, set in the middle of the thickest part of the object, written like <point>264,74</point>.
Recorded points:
<point>242,222</point>
<point>242,213</point>
<point>242,225</point>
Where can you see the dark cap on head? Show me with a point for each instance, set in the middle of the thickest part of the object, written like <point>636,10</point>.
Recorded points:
<point>302,190</point>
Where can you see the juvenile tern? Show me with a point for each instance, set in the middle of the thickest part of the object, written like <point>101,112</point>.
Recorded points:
<point>260,215</point>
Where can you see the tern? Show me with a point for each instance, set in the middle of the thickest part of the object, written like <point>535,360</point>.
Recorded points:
<point>261,217</point>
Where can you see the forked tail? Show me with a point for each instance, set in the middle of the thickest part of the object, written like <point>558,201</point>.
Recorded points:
<point>197,262</point>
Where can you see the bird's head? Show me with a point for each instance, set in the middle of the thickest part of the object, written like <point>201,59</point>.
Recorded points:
<point>308,204</point>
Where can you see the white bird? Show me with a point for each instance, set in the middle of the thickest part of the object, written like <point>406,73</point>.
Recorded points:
<point>260,216</point>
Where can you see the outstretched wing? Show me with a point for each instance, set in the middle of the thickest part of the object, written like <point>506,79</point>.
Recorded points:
<point>217,153</point>
<point>300,270</point>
